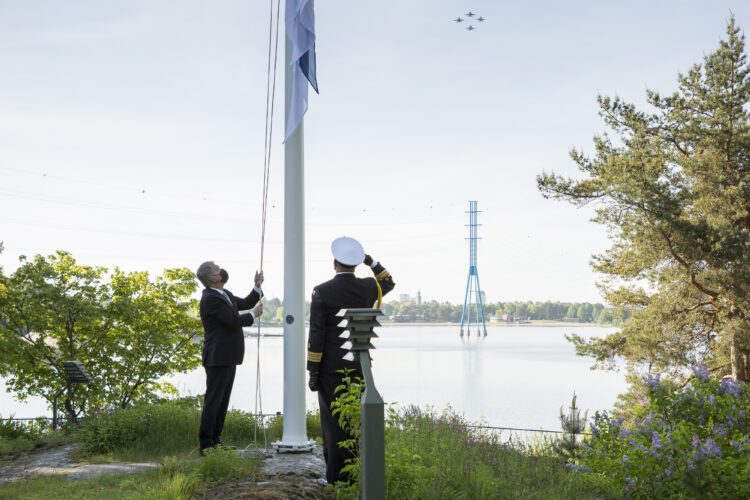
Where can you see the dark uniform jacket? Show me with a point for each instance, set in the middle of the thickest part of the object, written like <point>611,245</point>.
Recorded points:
<point>324,352</point>
<point>223,340</point>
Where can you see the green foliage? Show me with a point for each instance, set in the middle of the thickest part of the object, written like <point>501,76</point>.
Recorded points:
<point>221,465</point>
<point>686,443</point>
<point>431,455</point>
<point>432,311</point>
<point>437,455</point>
<point>348,407</point>
<point>17,436</point>
<point>573,425</point>
<point>128,330</point>
<point>150,431</point>
<point>673,189</point>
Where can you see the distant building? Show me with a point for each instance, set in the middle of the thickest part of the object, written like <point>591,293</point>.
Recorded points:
<point>484,299</point>
<point>419,297</point>
<point>404,297</point>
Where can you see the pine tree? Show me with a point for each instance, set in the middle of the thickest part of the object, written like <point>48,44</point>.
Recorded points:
<point>573,425</point>
<point>673,188</point>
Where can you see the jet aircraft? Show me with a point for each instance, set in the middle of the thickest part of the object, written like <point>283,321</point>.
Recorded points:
<point>470,14</point>
<point>470,27</point>
<point>480,19</point>
<point>459,20</point>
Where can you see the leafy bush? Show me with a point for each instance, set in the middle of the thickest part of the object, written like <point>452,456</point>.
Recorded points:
<point>13,429</point>
<point>348,408</point>
<point>691,442</point>
<point>18,436</point>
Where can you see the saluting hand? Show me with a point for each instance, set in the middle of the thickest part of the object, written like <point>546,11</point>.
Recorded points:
<point>258,278</point>
<point>368,260</point>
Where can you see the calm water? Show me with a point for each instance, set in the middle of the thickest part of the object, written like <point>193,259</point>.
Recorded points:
<point>517,376</point>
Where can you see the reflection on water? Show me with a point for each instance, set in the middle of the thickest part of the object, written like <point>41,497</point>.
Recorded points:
<point>513,377</point>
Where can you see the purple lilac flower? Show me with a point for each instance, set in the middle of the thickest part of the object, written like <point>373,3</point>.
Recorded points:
<point>700,372</point>
<point>656,441</point>
<point>729,386</point>
<point>720,430</point>
<point>669,472</point>
<point>652,381</point>
<point>735,444</point>
<point>711,448</point>
<point>624,458</point>
<point>624,433</point>
<point>712,399</point>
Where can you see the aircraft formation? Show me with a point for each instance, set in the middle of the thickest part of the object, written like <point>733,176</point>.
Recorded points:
<point>470,15</point>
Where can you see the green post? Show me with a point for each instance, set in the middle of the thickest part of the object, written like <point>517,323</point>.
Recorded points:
<point>373,436</point>
<point>360,323</point>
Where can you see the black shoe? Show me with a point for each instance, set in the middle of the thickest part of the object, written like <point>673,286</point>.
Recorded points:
<point>226,447</point>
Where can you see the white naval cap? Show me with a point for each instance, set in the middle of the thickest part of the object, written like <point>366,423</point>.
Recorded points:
<point>347,251</point>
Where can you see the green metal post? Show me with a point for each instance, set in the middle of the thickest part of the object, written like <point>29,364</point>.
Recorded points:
<point>360,323</point>
<point>373,436</point>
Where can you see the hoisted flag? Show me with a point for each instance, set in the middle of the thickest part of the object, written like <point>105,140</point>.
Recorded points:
<point>299,20</point>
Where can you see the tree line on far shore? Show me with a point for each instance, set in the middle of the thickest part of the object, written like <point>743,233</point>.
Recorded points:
<point>445,312</point>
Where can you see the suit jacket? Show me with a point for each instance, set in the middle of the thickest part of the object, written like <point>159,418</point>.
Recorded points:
<point>324,351</point>
<point>223,340</point>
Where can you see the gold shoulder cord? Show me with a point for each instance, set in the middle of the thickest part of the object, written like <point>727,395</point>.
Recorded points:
<point>380,292</point>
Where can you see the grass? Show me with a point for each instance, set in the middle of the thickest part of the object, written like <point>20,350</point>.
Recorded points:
<point>431,455</point>
<point>150,432</point>
<point>177,479</point>
<point>17,438</point>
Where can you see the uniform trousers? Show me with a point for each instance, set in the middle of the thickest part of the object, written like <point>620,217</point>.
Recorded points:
<point>219,382</point>
<point>333,434</point>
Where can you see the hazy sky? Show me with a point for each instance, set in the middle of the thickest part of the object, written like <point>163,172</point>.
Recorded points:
<point>131,132</point>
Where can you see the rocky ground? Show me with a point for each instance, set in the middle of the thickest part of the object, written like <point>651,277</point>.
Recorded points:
<point>289,476</point>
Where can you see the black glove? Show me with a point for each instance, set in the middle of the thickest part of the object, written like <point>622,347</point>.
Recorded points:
<point>368,260</point>
<point>314,383</point>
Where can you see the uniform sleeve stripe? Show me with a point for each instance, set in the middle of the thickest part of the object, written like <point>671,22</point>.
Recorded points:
<point>383,275</point>
<point>315,357</point>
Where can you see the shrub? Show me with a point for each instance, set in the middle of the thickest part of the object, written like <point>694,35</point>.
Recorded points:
<point>691,442</point>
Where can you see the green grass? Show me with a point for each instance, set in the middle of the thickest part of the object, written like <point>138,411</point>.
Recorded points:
<point>428,456</point>
<point>177,479</point>
<point>17,437</point>
<point>431,456</point>
<point>150,432</point>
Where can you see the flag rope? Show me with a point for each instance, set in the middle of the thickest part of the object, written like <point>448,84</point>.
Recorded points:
<point>270,99</point>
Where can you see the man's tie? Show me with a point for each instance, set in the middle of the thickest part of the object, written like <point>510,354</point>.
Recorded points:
<point>226,297</point>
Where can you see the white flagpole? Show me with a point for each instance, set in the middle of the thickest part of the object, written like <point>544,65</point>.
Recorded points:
<point>294,436</point>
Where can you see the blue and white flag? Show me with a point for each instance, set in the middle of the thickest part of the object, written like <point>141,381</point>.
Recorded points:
<point>299,19</point>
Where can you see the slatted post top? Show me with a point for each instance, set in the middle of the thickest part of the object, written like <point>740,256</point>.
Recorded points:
<point>76,373</point>
<point>358,324</point>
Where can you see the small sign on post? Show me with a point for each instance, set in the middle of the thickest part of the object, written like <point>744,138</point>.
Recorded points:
<point>360,323</point>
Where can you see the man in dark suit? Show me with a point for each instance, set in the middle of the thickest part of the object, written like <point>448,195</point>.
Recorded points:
<point>325,356</point>
<point>223,345</point>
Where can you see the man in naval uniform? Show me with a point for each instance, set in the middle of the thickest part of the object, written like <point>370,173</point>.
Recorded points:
<point>223,345</point>
<point>325,354</point>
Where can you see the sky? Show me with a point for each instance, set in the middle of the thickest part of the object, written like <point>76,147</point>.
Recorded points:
<point>132,133</point>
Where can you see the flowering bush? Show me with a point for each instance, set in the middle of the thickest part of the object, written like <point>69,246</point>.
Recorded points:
<point>688,442</point>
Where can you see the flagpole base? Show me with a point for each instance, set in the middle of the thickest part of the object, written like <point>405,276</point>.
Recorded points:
<point>282,447</point>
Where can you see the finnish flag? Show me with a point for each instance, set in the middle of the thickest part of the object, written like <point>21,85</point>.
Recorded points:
<point>299,20</point>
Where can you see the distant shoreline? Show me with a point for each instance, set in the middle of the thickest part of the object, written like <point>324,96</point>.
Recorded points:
<point>458,325</point>
<point>531,323</point>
